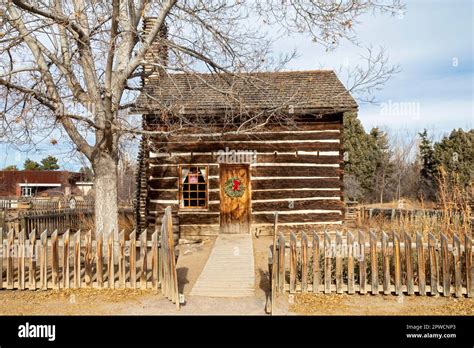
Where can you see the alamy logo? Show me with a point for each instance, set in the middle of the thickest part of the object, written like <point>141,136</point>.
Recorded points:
<point>391,108</point>
<point>37,331</point>
<point>239,156</point>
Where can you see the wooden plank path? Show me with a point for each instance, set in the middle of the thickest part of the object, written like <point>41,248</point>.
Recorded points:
<point>229,271</point>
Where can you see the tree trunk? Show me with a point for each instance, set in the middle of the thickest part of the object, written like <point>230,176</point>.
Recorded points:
<point>106,205</point>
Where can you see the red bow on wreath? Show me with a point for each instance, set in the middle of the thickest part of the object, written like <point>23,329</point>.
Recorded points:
<point>236,186</point>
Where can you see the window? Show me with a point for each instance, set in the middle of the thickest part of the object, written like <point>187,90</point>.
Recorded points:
<point>193,187</point>
<point>26,191</point>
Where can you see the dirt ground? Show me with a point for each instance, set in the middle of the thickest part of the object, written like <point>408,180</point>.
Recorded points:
<point>379,305</point>
<point>192,259</point>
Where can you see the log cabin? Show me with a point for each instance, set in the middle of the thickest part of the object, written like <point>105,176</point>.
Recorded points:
<point>225,177</point>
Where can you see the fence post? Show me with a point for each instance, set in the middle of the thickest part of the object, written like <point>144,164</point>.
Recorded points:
<point>445,266</point>
<point>374,264</point>
<point>44,260</point>
<point>154,260</point>
<point>385,264</point>
<point>100,259</point>
<point>77,259</point>
<point>327,263</point>
<point>457,266</point>
<point>110,261</point>
<point>55,257</point>
<point>397,261</point>
<point>409,264</point>
<point>469,266</point>
<point>132,259</point>
<point>88,257</point>
<point>293,262</point>
<point>66,280</point>
<point>339,280</point>
<point>33,256</point>
<point>316,268</point>
<point>121,260</point>
<point>304,262</point>
<point>281,263</point>
<point>23,223</point>
<point>143,260</point>
<point>433,265</point>
<point>350,263</point>
<point>10,270</point>
<point>362,264</point>
<point>421,265</point>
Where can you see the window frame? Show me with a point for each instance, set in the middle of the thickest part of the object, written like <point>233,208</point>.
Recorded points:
<point>26,191</point>
<point>180,187</point>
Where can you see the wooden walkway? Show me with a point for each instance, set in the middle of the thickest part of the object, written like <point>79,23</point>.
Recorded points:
<point>229,271</point>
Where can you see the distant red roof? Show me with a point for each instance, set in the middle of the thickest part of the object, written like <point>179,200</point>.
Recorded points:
<point>10,179</point>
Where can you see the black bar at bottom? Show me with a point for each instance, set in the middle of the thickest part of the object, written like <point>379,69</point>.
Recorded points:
<point>194,330</point>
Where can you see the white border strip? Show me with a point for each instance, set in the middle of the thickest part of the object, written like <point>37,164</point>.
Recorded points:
<point>314,211</point>
<point>292,177</point>
<point>301,223</point>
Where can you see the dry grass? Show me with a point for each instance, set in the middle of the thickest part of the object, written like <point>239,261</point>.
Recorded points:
<point>343,304</point>
<point>454,213</point>
<point>126,223</point>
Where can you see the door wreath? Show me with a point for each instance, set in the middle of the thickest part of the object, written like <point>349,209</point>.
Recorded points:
<point>234,188</point>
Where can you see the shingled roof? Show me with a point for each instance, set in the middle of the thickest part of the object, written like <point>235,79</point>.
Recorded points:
<point>298,90</point>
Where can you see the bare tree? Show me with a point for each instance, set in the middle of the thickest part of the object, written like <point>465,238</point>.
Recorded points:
<point>68,68</point>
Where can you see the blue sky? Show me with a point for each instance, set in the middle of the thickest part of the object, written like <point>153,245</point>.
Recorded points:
<point>433,45</point>
<point>432,42</point>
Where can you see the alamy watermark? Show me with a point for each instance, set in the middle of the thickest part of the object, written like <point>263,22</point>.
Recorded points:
<point>391,108</point>
<point>236,156</point>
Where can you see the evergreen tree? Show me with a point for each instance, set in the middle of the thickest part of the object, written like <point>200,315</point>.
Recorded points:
<point>31,165</point>
<point>359,163</point>
<point>382,156</point>
<point>49,163</point>
<point>456,154</point>
<point>427,180</point>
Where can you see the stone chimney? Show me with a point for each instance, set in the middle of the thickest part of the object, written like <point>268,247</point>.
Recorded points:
<point>158,52</point>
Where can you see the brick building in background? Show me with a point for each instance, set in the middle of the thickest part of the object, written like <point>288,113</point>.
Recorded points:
<point>35,183</point>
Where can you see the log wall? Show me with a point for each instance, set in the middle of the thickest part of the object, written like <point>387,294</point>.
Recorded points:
<point>297,172</point>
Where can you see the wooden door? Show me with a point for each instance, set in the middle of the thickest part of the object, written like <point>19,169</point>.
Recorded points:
<point>235,198</point>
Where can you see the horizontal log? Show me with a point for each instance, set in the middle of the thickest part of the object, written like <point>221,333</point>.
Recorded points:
<point>173,171</point>
<point>198,230</point>
<point>204,146</point>
<point>326,204</point>
<point>199,219</point>
<point>295,183</point>
<point>156,216</point>
<point>278,194</point>
<point>157,183</point>
<point>295,218</point>
<point>261,158</point>
<point>175,207</point>
<point>326,122</point>
<point>164,195</point>
<point>267,136</point>
<point>172,183</point>
<point>174,195</point>
<point>295,171</point>
<point>164,184</point>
